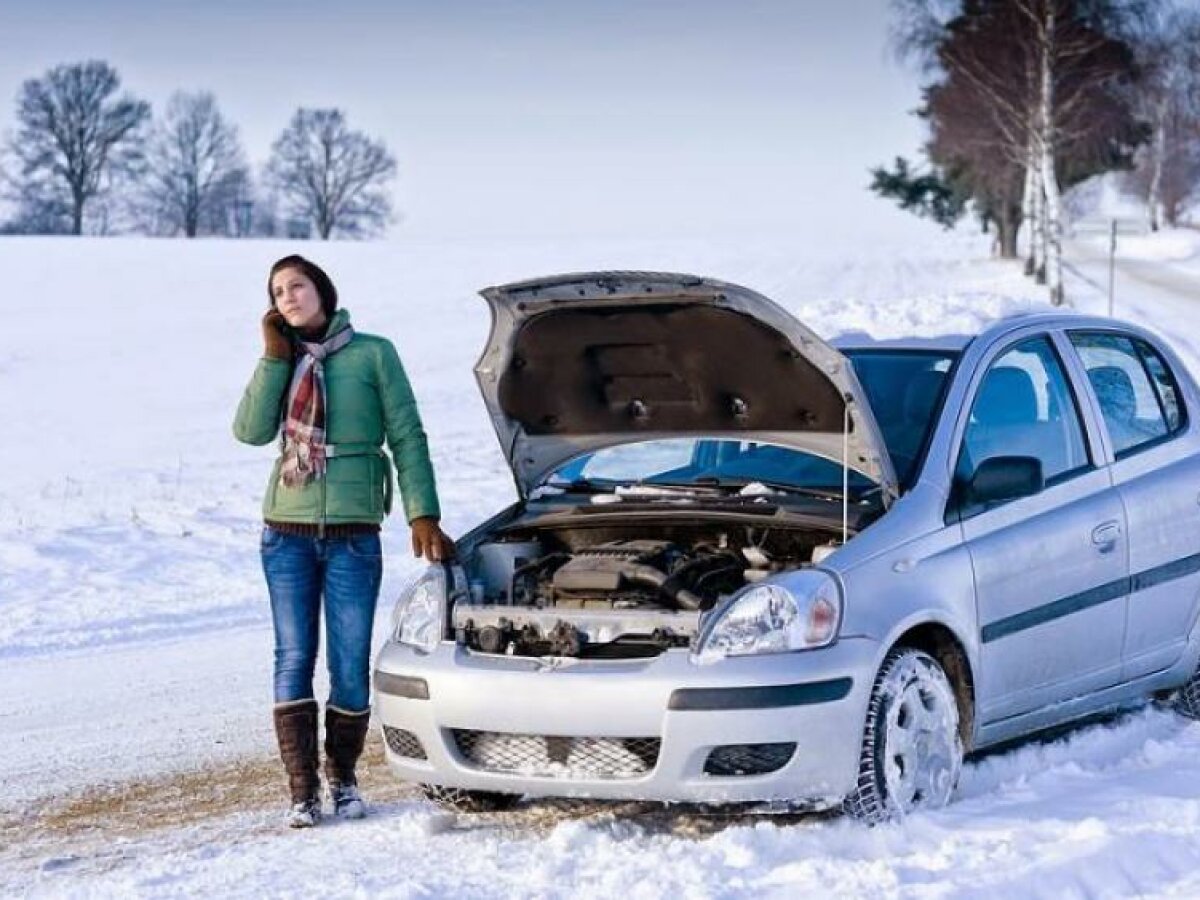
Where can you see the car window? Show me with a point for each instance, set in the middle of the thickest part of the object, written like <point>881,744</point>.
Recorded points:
<point>1165,385</point>
<point>1136,411</point>
<point>905,389</point>
<point>1024,407</point>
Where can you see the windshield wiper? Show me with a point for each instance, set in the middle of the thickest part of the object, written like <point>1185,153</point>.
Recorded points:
<point>584,486</point>
<point>626,488</point>
<point>738,484</point>
<point>651,487</point>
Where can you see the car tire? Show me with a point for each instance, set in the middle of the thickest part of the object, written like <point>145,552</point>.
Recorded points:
<point>464,801</point>
<point>911,750</point>
<point>1187,701</point>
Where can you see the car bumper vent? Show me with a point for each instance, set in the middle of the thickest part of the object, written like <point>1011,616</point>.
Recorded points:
<point>732,760</point>
<point>403,743</point>
<point>557,757</point>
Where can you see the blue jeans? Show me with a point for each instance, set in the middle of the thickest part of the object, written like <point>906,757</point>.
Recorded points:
<point>346,571</point>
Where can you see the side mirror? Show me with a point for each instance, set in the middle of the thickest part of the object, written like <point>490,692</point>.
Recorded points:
<point>1001,478</point>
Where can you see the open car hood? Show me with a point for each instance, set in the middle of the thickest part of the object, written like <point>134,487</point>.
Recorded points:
<point>583,361</point>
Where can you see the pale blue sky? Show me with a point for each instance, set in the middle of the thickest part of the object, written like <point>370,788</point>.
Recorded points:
<point>529,117</point>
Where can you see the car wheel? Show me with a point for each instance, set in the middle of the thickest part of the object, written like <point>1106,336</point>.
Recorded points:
<point>1187,701</point>
<point>911,750</point>
<point>464,801</point>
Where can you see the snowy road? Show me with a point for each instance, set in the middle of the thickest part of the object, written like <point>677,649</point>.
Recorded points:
<point>136,757</point>
<point>1111,810</point>
<point>128,712</point>
<point>1164,293</point>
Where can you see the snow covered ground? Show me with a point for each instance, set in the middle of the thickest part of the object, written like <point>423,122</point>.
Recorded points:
<point>134,633</point>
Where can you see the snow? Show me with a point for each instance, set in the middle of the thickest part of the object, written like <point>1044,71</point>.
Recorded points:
<point>128,510</point>
<point>1172,245</point>
<point>1177,245</point>
<point>1112,811</point>
<point>135,637</point>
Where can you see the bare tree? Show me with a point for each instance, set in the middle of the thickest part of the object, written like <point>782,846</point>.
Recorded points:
<point>35,210</point>
<point>232,212</point>
<point>331,176</point>
<point>1032,94</point>
<point>195,166</point>
<point>1082,77</point>
<point>1168,171</point>
<point>917,29</point>
<point>75,138</point>
<point>975,149</point>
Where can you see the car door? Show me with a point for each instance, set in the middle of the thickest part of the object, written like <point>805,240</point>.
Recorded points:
<point>1051,568</point>
<point>1158,479</point>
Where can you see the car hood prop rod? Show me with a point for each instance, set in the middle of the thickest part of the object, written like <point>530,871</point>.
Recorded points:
<point>845,473</point>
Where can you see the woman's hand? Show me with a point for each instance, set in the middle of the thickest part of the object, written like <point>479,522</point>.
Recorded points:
<point>275,343</point>
<point>430,541</point>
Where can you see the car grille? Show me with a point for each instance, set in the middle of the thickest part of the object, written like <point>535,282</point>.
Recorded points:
<point>748,759</point>
<point>557,757</point>
<point>403,743</point>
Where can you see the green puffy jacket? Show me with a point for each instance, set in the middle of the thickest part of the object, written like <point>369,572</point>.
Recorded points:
<point>369,400</point>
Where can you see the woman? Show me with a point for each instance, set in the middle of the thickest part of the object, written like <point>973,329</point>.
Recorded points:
<point>333,396</point>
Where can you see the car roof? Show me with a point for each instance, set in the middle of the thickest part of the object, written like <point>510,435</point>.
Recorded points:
<point>956,343</point>
<point>858,340</point>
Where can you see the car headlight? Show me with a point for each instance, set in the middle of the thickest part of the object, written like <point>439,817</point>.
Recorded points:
<point>771,618</point>
<point>417,619</point>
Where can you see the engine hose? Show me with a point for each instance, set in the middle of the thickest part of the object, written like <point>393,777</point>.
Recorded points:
<point>684,599</point>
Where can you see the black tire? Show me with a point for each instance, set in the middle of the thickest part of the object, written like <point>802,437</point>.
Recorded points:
<point>911,750</point>
<point>1187,701</point>
<point>464,801</point>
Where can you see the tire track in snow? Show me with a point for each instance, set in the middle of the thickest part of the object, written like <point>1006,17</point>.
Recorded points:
<point>1103,810</point>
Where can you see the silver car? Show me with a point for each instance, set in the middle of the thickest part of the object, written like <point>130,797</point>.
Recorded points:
<point>747,565</point>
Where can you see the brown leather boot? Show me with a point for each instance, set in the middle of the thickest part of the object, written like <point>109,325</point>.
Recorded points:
<point>296,730</point>
<point>345,734</point>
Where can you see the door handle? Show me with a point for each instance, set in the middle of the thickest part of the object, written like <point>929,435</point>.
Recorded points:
<point>1106,534</point>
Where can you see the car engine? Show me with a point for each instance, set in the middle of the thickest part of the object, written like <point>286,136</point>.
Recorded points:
<point>604,595</point>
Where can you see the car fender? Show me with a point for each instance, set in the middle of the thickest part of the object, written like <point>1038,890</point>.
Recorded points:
<point>928,581</point>
<point>890,592</point>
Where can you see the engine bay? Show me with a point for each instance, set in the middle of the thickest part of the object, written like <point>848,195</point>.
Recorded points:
<point>614,592</point>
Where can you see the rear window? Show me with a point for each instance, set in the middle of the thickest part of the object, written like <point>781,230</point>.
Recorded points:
<point>1138,396</point>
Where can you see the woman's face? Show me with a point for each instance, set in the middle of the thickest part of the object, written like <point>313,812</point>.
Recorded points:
<point>297,299</point>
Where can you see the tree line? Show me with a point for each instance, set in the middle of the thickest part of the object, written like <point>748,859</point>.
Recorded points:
<point>86,157</point>
<point>1025,98</point>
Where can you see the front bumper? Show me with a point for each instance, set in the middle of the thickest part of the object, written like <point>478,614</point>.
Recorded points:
<point>816,699</point>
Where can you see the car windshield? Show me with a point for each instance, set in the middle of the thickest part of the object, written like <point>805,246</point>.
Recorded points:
<point>718,463</point>
<point>904,388</point>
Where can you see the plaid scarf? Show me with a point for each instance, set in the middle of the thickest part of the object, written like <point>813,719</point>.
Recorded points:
<point>304,428</point>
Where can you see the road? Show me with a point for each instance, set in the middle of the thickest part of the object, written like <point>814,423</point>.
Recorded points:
<point>1162,292</point>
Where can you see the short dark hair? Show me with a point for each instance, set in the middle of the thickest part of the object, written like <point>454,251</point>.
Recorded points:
<point>314,273</point>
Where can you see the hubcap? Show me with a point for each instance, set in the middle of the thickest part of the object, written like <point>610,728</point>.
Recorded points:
<point>922,753</point>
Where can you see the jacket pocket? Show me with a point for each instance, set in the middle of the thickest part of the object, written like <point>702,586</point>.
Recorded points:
<point>293,504</point>
<point>351,488</point>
